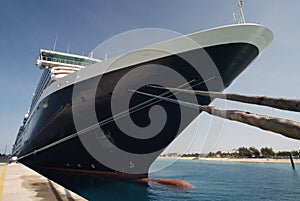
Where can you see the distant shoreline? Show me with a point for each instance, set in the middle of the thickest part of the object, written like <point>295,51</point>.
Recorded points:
<point>242,160</point>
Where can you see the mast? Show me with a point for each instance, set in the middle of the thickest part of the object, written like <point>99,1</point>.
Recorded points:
<point>241,14</point>
<point>5,150</point>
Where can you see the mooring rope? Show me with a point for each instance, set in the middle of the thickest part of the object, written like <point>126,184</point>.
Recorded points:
<point>113,118</point>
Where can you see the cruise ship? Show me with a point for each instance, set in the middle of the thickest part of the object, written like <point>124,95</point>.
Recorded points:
<point>86,116</point>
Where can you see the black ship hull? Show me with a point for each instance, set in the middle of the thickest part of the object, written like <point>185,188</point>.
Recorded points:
<point>53,119</point>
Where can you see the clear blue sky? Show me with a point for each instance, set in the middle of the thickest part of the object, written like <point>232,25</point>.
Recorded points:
<point>27,26</point>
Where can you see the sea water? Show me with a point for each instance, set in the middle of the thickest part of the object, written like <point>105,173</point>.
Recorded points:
<point>212,180</point>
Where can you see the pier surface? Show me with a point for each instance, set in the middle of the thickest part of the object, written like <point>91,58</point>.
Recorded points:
<point>18,182</point>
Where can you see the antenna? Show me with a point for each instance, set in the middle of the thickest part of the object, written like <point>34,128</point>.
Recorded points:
<point>234,17</point>
<point>68,48</point>
<point>54,46</point>
<point>241,14</point>
<point>5,150</point>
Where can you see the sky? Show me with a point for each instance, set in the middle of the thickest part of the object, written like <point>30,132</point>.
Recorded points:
<point>27,26</point>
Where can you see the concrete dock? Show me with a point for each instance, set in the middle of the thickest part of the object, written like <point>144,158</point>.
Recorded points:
<point>17,182</point>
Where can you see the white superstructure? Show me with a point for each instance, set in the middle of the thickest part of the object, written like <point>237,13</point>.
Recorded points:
<point>61,64</point>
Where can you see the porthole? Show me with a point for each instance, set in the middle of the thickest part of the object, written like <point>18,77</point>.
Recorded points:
<point>45,104</point>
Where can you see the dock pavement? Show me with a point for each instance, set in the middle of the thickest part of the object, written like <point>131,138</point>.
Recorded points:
<point>20,183</point>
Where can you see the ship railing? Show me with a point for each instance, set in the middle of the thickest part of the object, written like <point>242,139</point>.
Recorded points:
<point>66,61</point>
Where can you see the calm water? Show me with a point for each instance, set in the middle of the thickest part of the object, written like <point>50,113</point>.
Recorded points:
<point>213,181</point>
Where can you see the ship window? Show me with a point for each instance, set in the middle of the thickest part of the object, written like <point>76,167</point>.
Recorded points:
<point>45,104</point>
